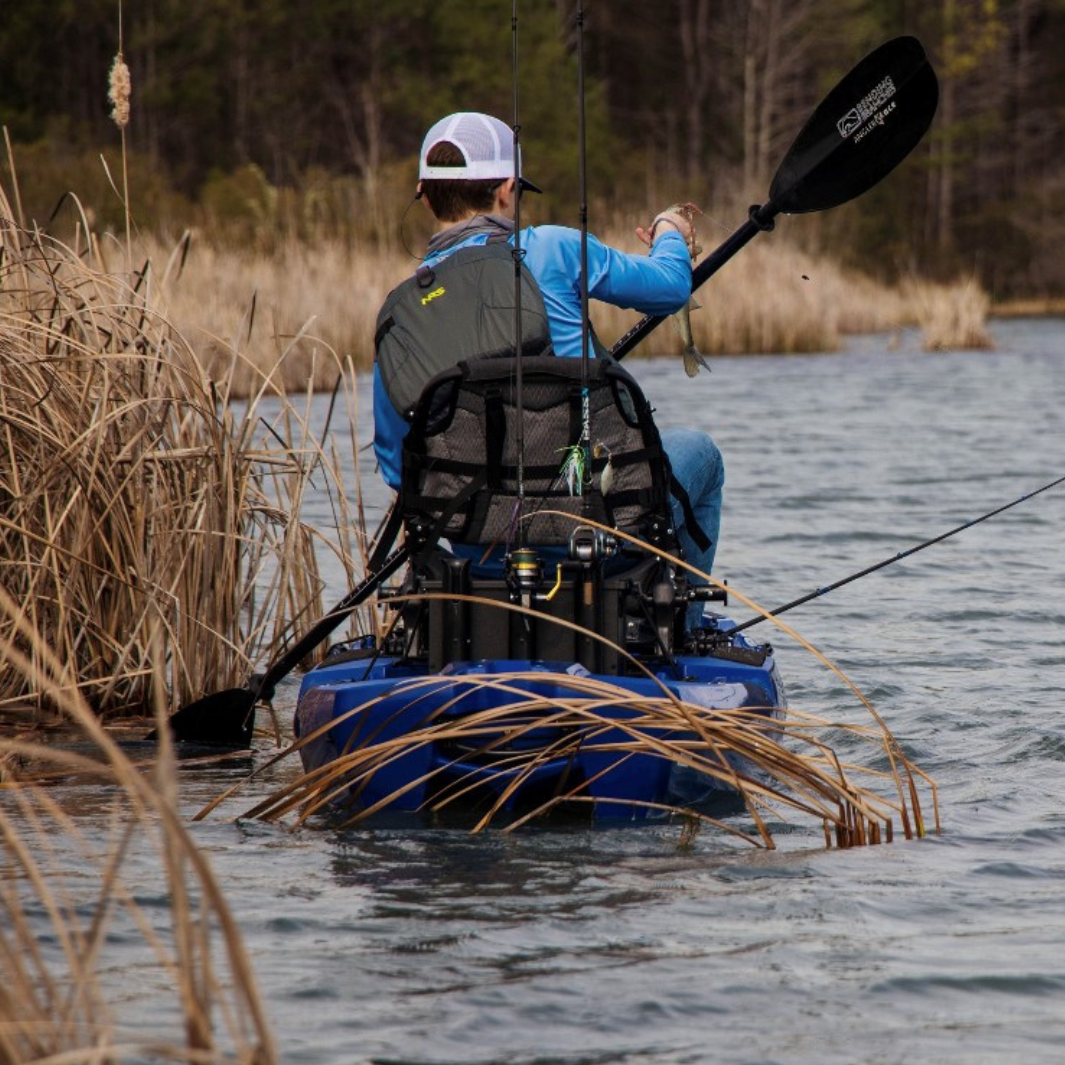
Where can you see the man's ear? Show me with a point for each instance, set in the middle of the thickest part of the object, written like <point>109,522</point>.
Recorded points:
<point>505,193</point>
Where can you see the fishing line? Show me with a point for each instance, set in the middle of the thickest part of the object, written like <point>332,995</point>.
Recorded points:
<point>586,418</point>
<point>519,430</point>
<point>728,229</point>
<point>454,239</point>
<point>402,229</point>
<point>817,593</point>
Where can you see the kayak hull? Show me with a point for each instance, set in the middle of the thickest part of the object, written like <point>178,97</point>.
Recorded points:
<point>516,734</point>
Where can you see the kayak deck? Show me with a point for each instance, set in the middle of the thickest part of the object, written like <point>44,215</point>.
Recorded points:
<point>516,734</point>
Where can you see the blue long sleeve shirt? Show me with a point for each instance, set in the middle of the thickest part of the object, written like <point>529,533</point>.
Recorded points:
<point>658,283</point>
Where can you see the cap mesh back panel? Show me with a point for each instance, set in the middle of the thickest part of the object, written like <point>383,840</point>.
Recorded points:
<point>477,139</point>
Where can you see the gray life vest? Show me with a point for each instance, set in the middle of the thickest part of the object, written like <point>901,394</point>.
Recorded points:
<point>461,309</point>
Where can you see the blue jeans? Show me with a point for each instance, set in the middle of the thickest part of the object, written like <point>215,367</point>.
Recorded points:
<point>698,465</point>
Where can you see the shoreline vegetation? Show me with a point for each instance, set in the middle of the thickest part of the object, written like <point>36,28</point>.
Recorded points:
<point>299,299</point>
<point>150,528</point>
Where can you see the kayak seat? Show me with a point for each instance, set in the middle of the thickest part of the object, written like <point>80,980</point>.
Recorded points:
<point>460,462</point>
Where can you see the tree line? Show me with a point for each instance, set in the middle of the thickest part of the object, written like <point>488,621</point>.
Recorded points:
<point>684,99</point>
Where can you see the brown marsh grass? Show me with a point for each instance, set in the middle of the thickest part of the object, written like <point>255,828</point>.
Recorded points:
<point>1033,307</point>
<point>286,310</point>
<point>149,528</point>
<point>304,299</point>
<point>951,316</point>
<point>73,871</point>
<point>150,547</point>
<point>774,298</point>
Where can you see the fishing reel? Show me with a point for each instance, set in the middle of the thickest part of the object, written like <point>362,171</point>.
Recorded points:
<point>524,573</point>
<point>588,544</point>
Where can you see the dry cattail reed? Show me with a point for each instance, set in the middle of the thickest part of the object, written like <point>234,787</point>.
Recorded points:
<point>69,899</point>
<point>145,526</point>
<point>120,88</point>
<point>119,91</point>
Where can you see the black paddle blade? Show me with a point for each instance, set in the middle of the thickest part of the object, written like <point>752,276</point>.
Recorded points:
<point>860,132</point>
<point>222,719</point>
<point>226,718</point>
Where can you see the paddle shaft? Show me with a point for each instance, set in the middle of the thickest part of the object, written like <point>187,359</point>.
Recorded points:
<point>817,593</point>
<point>284,665</point>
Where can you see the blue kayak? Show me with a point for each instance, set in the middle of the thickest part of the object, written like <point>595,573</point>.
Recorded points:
<point>556,653</point>
<point>518,734</point>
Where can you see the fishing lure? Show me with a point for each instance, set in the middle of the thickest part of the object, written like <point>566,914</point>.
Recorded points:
<point>574,468</point>
<point>606,478</point>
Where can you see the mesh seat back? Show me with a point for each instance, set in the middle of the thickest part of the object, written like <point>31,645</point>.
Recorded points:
<point>460,458</point>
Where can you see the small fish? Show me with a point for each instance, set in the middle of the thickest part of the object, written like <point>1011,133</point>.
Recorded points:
<point>693,357</point>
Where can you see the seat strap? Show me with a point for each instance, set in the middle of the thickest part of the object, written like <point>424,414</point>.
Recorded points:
<point>454,506</point>
<point>495,435</point>
<point>691,523</point>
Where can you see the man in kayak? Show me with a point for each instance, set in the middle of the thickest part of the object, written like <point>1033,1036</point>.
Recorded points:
<point>467,180</point>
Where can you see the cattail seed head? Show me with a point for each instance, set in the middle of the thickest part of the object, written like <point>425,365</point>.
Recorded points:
<point>119,92</point>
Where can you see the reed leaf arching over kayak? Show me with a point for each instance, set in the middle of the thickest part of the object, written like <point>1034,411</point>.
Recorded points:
<point>780,766</point>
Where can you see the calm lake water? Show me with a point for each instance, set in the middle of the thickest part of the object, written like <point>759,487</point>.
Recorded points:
<point>584,947</point>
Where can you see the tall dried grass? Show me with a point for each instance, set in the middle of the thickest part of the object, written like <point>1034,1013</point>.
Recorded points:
<point>150,545</point>
<point>300,301</point>
<point>71,898</point>
<point>149,530</point>
<point>301,298</point>
<point>952,316</point>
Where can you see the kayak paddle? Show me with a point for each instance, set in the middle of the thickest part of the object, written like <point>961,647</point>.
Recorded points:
<point>859,133</point>
<point>226,718</point>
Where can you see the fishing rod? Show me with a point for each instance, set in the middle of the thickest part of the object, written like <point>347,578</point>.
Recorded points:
<point>816,594</point>
<point>582,183</point>
<point>516,253</point>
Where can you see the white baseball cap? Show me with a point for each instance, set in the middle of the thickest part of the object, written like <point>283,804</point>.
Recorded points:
<point>486,143</point>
